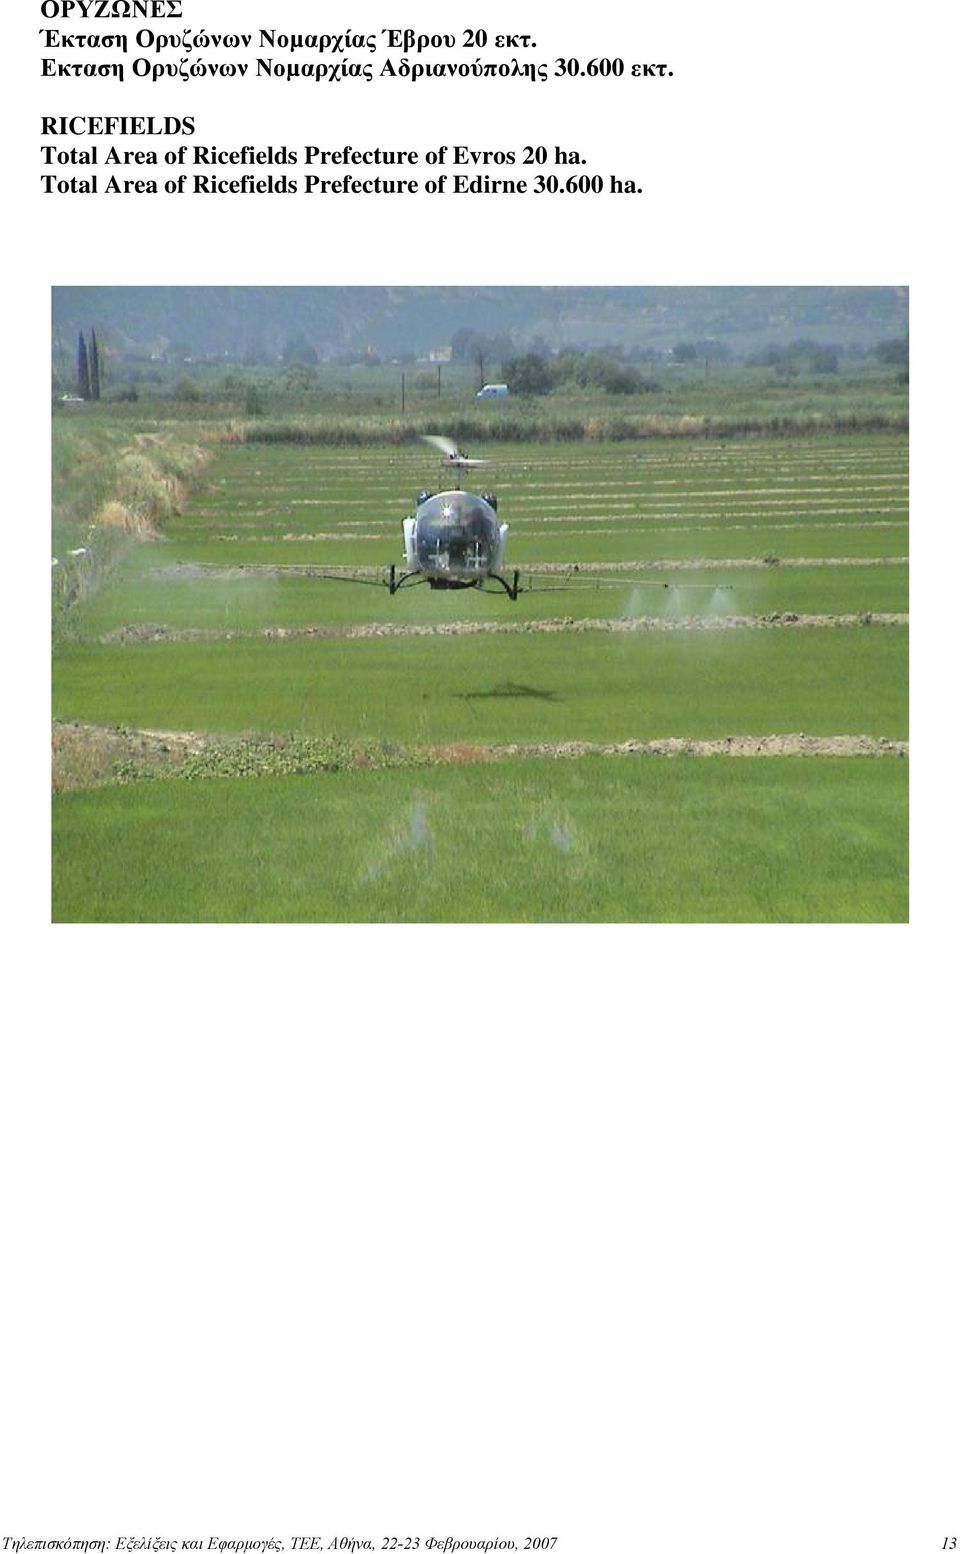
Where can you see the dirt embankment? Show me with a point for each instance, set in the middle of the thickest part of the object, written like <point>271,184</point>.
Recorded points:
<point>85,756</point>
<point>180,571</point>
<point>786,620</point>
<point>731,744</point>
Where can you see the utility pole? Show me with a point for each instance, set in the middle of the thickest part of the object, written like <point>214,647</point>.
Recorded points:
<point>403,392</point>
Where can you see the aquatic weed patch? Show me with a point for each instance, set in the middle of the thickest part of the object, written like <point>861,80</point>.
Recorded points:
<point>293,755</point>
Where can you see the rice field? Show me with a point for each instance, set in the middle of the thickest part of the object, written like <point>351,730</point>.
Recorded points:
<point>744,588</point>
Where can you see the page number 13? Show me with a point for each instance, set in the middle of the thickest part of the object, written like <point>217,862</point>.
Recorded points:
<point>949,1543</point>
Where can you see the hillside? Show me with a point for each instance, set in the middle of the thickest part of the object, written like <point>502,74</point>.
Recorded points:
<point>256,322</point>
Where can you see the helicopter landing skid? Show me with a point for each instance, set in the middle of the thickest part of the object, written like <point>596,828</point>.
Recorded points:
<point>510,589</point>
<point>395,582</point>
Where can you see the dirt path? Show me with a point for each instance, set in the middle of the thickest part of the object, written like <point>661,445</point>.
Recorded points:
<point>733,745</point>
<point>179,571</point>
<point>785,621</point>
<point>717,564</point>
<point>347,531</point>
<point>87,756</point>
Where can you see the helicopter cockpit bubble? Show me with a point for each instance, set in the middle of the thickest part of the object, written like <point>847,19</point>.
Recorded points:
<point>457,536</point>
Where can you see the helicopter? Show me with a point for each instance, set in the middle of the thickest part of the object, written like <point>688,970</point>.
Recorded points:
<point>455,539</point>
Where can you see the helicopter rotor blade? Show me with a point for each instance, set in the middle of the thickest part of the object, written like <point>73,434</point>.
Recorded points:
<point>451,452</point>
<point>442,444</point>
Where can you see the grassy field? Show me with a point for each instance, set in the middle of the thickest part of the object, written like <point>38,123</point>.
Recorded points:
<point>592,840</point>
<point>503,688</point>
<point>718,529</point>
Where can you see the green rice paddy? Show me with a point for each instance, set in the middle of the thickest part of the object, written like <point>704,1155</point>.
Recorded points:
<point>501,689</point>
<point>592,840</point>
<point>782,839</point>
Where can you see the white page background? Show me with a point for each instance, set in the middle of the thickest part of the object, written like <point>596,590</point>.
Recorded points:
<point>643,1237</point>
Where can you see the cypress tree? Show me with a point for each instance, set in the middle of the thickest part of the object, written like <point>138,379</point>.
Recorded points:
<point>94,366</point>
<point>83,369</point>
